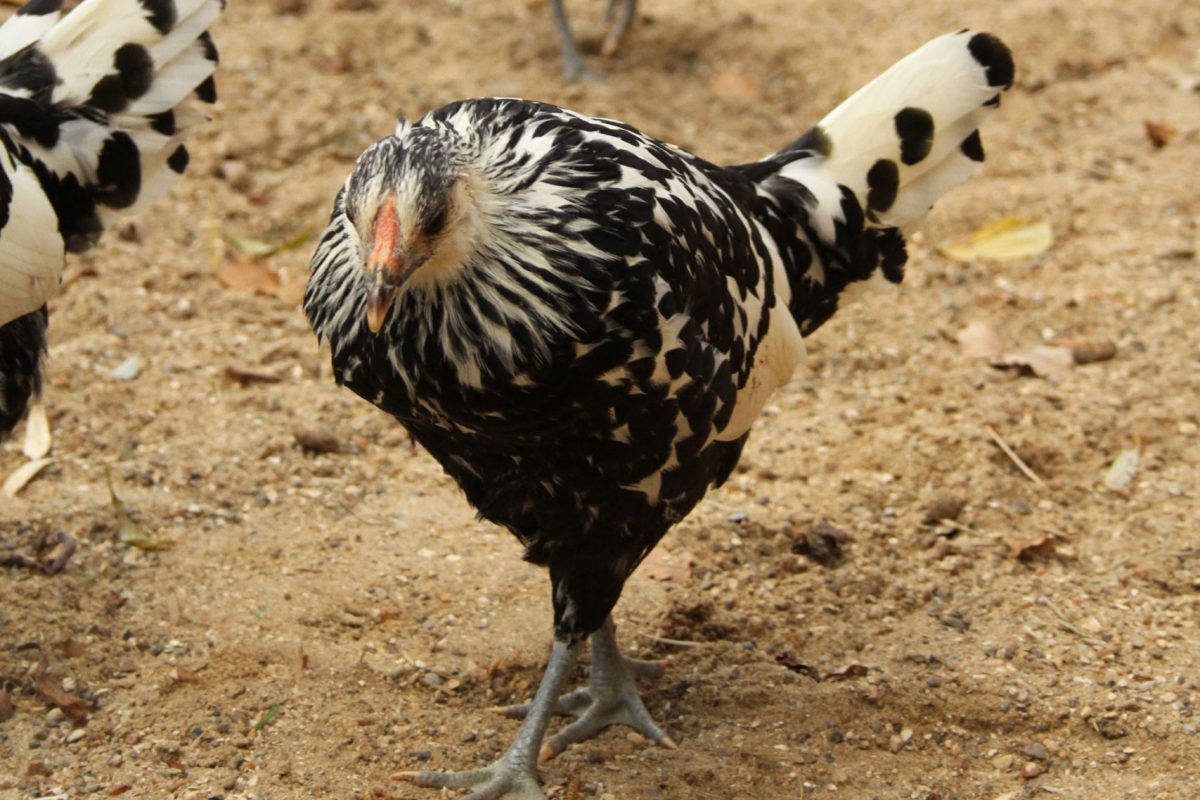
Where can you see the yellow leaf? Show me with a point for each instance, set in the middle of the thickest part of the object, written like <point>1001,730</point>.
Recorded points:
<point>1008,239</point>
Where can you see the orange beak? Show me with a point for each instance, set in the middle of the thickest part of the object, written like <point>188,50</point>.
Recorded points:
<point>385,266</point>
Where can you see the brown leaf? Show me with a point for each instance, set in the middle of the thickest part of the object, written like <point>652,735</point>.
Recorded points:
<point>822,543</point>
<point>1044,361</point>
<point>119,789</point>
<point>1032,549</point>
<point>1159,133</point>
<point>244,377</point>
<point>49,689</point>
<point>979,340</point>
<point>847,672</point>
<point>249,275</point>
<point>73,648</point>
<point>6,707</point>
<point>113,601</point>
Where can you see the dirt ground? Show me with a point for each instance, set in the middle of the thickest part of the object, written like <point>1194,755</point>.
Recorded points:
<point>318,622</point>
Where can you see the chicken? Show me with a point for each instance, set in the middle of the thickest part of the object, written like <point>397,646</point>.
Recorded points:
<point>618,16</point>
<point>94,106</point>
<point>581,323</point>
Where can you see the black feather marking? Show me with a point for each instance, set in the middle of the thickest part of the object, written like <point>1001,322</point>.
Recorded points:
<point>118,172</point>
<point>992,102</point>
<point>178,160</point>
<point>207,90</point>
<point>39,8</point>
<point>29,69</point>
<point>972,146</point>
<point>995,57</point>
<point>136,69</point>
<point>161,14</point>
<point>108,95</point>
<point>163,123</point>
<point>31,119</point>
<point>814,140</point>
<point>914,126</point>
<point>22,347</point>
<point>210,49</point>
<point>6,196</point>
<point>883,182</point>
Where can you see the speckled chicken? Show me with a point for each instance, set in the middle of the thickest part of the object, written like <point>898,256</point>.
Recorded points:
<point>581,323</point>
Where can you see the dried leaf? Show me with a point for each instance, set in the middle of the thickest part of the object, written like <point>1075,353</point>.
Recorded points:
<point>243,377</point>
<point>258,249</point>
<point>1032,549</point>
<point>249,245</point>
<point>49,689</point>
<point>73,648</point>
<point>847,672</point>
<point>128,531</point>
<point>1008,239</point>
<point>979,340</point>
<point>1159,133</point>
<point>1120,475</point>
<point>1044,361</point>
<point>37,433</point>
<point>22,475</point>
<point>249,275</point>
<point>668,567</point>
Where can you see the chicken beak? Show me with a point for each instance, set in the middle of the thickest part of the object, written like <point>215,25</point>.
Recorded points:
<point>379,300</point>
<point>385,266</point>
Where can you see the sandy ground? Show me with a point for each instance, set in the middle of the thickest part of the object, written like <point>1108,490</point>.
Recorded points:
<point>322,621</point>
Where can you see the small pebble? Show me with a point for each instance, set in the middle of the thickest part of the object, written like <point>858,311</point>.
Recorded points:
<point>76,735</point>
<point>1036,751</point>
<point>1031,770</point>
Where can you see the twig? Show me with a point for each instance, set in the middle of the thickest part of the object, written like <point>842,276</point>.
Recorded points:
<point>1016,459</point>
<point>1065,622</point>
<point>671,642</point>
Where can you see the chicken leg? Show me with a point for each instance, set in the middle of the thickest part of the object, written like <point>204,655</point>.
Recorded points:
<point>513,776</point>
<point>618,16</point>
<point>610,698</point>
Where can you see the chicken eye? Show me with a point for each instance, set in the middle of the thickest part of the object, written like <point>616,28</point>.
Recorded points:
<point>436,222</point>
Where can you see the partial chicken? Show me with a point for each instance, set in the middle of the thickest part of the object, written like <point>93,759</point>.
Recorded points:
<point>581,323</point>
<point>94,107</point>
<point>617,16</point>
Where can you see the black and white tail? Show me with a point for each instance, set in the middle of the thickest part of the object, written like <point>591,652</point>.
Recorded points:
<point>876,164</point>
<point>94,106</point>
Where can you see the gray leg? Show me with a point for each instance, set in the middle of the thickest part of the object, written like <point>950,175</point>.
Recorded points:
<point>514,775</point>
<point>574,68</point>
<point>618,26</point>
<point>610,698</point>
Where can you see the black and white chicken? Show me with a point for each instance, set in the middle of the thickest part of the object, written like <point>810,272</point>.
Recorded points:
<point>581,323</point>
<point>93,109</point>
<point>617,16</point>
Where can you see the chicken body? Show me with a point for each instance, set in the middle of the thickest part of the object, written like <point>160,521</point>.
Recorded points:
<point>581,323</point>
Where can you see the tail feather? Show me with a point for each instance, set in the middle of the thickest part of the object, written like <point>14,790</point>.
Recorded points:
<point>874,166</point>
<point>911,134</point>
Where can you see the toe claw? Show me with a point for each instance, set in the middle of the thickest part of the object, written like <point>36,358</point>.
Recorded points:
<point>668,743</point>
<point>548,753</point>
